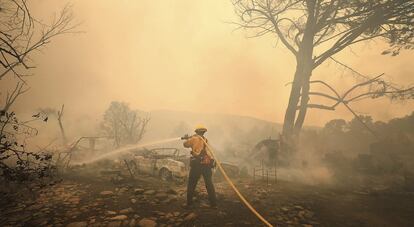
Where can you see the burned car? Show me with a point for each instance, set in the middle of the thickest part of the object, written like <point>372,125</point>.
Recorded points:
<point>166,163</point>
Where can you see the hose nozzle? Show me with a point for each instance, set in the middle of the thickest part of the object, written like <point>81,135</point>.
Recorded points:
<point>185,137</point>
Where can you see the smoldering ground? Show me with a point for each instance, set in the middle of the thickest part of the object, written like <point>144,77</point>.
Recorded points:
<point>103,192</point>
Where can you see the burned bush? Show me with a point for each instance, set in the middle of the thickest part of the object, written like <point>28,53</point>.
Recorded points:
<point>16,163</point>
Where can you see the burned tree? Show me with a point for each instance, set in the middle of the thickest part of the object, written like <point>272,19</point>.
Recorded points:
<point>315,30</point>
<point>21,35</point>
<point>59,115</point>
<point>62,130</point>
<point>11,97</point>
<point>374,88</point>
<point>123,124</point>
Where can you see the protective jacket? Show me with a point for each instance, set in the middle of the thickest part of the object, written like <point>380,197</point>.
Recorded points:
<point>196,144</point>
<point>199,151</point>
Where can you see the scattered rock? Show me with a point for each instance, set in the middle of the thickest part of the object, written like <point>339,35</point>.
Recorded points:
<point>179,220</point>
<point>171,191</point>
<point>35,207</point>
<point>161,195</point>
<point>132,223</point>
<point>158,213</point>
<point>172,197</point>
<point>91,221</point>
<point>126,211</point>
<point>119,218</point>
<point>204,205</point>
<point>122,190</point>
<point>78,224</point>
<point>301,214</point>
<point>221,214</point>
<point>309,214</point>
<point>69,214</point>
<point>133,201</point>
<point>125,223</point>
<point>114,224</point>
<point>166,201</point>
<point>138,191</point>
<point>299,207</point>
<point>74,200</point>
<point>191,216</point>
<point>149,192</point>
<point>145,222</point>
<point>106,193</point>
<point>109,212</point>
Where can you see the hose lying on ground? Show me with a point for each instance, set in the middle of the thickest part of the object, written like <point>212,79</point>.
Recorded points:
<point>248,205</point>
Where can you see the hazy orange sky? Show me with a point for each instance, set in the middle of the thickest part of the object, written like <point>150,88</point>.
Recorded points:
<point>182,55</point>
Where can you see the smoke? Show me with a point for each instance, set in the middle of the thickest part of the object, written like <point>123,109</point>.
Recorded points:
<point>166,61</point>
<point>308,168</point>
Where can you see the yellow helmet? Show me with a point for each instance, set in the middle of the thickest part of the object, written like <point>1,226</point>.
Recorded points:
<point>200,128</point>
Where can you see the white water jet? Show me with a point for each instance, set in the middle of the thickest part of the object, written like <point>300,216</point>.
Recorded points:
<point>126,149</point>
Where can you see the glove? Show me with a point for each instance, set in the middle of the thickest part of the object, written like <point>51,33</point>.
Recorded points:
<point>185,137</point>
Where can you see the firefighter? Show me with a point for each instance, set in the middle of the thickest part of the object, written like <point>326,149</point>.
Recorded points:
<point>201,163</point>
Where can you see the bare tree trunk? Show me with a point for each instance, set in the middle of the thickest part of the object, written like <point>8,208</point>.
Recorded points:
<point>117,139</point>
<point>62,130</point>
<point>302,109</point>
<point>293,122</point>
<point>300,88</point>
<point>304,95</point>
<point>290,115</point>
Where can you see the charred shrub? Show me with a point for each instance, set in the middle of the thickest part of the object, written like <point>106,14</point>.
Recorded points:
<point>16,163</point>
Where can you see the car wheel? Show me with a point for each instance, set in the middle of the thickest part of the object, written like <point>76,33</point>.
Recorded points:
<point>165,174</point>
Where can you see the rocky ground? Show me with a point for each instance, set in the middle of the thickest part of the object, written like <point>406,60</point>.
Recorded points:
<point>91,200</point>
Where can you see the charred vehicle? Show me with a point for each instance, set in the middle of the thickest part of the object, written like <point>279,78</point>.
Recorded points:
<point>166,163</point>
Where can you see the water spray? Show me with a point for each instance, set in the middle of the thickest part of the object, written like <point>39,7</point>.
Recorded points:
<point>128,149</point>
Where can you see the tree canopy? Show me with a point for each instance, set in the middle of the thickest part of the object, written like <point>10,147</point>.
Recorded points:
<point>123,124</point>
<point>315,30</point>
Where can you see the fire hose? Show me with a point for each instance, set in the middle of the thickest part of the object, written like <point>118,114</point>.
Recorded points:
<point>241,197</point>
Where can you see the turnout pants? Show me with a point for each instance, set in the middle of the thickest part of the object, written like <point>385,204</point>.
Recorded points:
<point>196,170</point>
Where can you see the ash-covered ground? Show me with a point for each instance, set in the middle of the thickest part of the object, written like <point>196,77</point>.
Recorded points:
<point>86,197</point>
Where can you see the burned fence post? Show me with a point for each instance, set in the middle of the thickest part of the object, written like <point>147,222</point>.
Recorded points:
<point>262,170</point>
<point>267,177</point>
<point>275,175</point>
<point>254,174</point>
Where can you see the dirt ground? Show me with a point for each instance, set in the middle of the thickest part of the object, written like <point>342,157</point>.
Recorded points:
<point>85,199</point>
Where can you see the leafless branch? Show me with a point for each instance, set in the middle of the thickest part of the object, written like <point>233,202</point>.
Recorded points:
<point>21,35</point>
<point>11,97</point>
